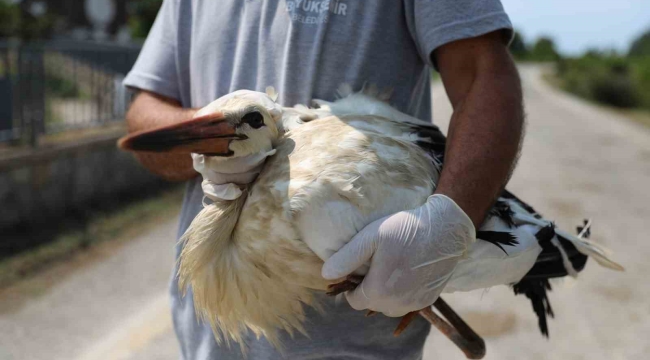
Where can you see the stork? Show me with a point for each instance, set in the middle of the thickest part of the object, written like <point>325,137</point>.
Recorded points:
<point>254,261</point>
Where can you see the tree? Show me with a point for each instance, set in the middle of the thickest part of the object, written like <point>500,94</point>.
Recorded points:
<point>544,50</point>
<point>518,47</point>
<point>142,15</point>
<point>641,45</point>
<point>17,21</point>
<point>9,19</point>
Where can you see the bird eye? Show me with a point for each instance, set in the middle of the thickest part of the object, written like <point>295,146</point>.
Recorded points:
<point>254,119</point>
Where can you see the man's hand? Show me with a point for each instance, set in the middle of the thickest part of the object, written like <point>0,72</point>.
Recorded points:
<point>412,255</point>
<point>221,175</point>
<point>148,111</point>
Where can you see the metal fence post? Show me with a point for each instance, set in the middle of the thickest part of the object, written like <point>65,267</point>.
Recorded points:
<point>6,96</point>
<point>31,76</point>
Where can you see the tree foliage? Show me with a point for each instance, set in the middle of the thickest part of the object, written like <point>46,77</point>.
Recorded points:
<point>641,45</point>
<point>544,50</point>
<point>518,47</point>
<point>9,19</point>
<point>17,22</point>
<point>142,15</point>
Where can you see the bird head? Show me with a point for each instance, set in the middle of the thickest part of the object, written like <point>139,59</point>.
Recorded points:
<point>238,124</point>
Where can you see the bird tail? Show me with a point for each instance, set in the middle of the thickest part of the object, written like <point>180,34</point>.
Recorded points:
<point>596,251</point>
<point>563,254</point>
<point>581,242</point>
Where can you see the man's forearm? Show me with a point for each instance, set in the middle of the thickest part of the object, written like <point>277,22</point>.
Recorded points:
<point>149,111</point>
<point>484,138</point>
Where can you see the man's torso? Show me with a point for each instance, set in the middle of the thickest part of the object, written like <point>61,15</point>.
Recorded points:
<point>200,50</point>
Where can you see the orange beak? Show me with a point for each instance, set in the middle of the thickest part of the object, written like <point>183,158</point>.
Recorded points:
<point>209,135</point>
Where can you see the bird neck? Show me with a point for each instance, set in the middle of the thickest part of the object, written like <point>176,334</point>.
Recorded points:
<point>238,283</point>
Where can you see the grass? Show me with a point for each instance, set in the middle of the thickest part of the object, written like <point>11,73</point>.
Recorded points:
<point>640,116</point>
<point>119,225</point>
<point>61,87</point>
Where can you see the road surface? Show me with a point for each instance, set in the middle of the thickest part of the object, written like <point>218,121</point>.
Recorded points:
<point>578,161</point>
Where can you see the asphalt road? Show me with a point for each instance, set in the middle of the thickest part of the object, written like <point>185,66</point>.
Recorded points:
<point>578,161</point>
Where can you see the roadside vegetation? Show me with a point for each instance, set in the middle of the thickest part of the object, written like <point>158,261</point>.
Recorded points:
<point>118,225</point>
<point>607,77</point>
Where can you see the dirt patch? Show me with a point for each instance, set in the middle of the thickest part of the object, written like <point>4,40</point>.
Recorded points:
<point>491,325</point>
<point>588,187</point>
<point>565,208</point>
<point>617,294</point>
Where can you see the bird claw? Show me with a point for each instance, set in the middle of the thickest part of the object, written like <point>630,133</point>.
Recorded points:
<point>350,283</point>
<point>406,321</point>
<point>470,343</point>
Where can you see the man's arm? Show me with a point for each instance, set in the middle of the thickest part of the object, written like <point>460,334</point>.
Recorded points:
<point>485,132</point>
<point>150,110</point>
<point>421,247</point>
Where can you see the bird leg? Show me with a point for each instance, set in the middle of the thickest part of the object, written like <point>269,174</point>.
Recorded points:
<point>457,330</point>
<point>406,321</point>
<point>350,283</point>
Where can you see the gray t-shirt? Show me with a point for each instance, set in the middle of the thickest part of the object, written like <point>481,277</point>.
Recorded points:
<point>199,50</point>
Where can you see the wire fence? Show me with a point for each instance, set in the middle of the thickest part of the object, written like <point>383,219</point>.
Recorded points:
<point>53,87</point>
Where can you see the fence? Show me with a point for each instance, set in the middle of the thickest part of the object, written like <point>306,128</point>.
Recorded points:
<point>51,88</point>
<point>47,88</point>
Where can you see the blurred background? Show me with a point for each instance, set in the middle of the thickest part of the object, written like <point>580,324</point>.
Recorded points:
<point>87,235</point>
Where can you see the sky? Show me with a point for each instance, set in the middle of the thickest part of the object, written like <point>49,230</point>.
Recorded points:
<point>578,25</point>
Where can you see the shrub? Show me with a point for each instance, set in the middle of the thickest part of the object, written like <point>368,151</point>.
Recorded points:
<point>616,90</point>
<point>607,79</point>
<point>61,87</point>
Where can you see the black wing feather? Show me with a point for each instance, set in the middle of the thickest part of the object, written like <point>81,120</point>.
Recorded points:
<point>498,238</point>
<point>536,291</point>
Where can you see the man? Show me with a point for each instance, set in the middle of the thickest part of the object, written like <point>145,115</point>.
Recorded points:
<point>200,50</point>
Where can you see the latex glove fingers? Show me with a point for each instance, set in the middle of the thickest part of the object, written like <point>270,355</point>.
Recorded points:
<point>408,269</point>
<point>412,255</point>
<point>223,170</point>
<point>221,176</point>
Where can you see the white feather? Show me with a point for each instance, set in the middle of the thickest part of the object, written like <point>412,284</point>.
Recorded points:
<point>254,265</point>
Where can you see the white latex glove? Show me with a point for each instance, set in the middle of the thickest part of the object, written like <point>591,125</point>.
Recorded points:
<point>412,255</point>
<point>222,177</point>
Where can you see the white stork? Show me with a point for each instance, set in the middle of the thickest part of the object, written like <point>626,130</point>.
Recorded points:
<point>253,262</point>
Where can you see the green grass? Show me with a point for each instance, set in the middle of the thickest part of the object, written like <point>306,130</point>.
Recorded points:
<point>639,115</point>
<point>607,79</point>
<point>118,225</point>
<point>61,87</point>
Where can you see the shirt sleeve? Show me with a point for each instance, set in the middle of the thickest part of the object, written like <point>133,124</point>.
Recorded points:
<point>434,23</point>
<point>155,69</point>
